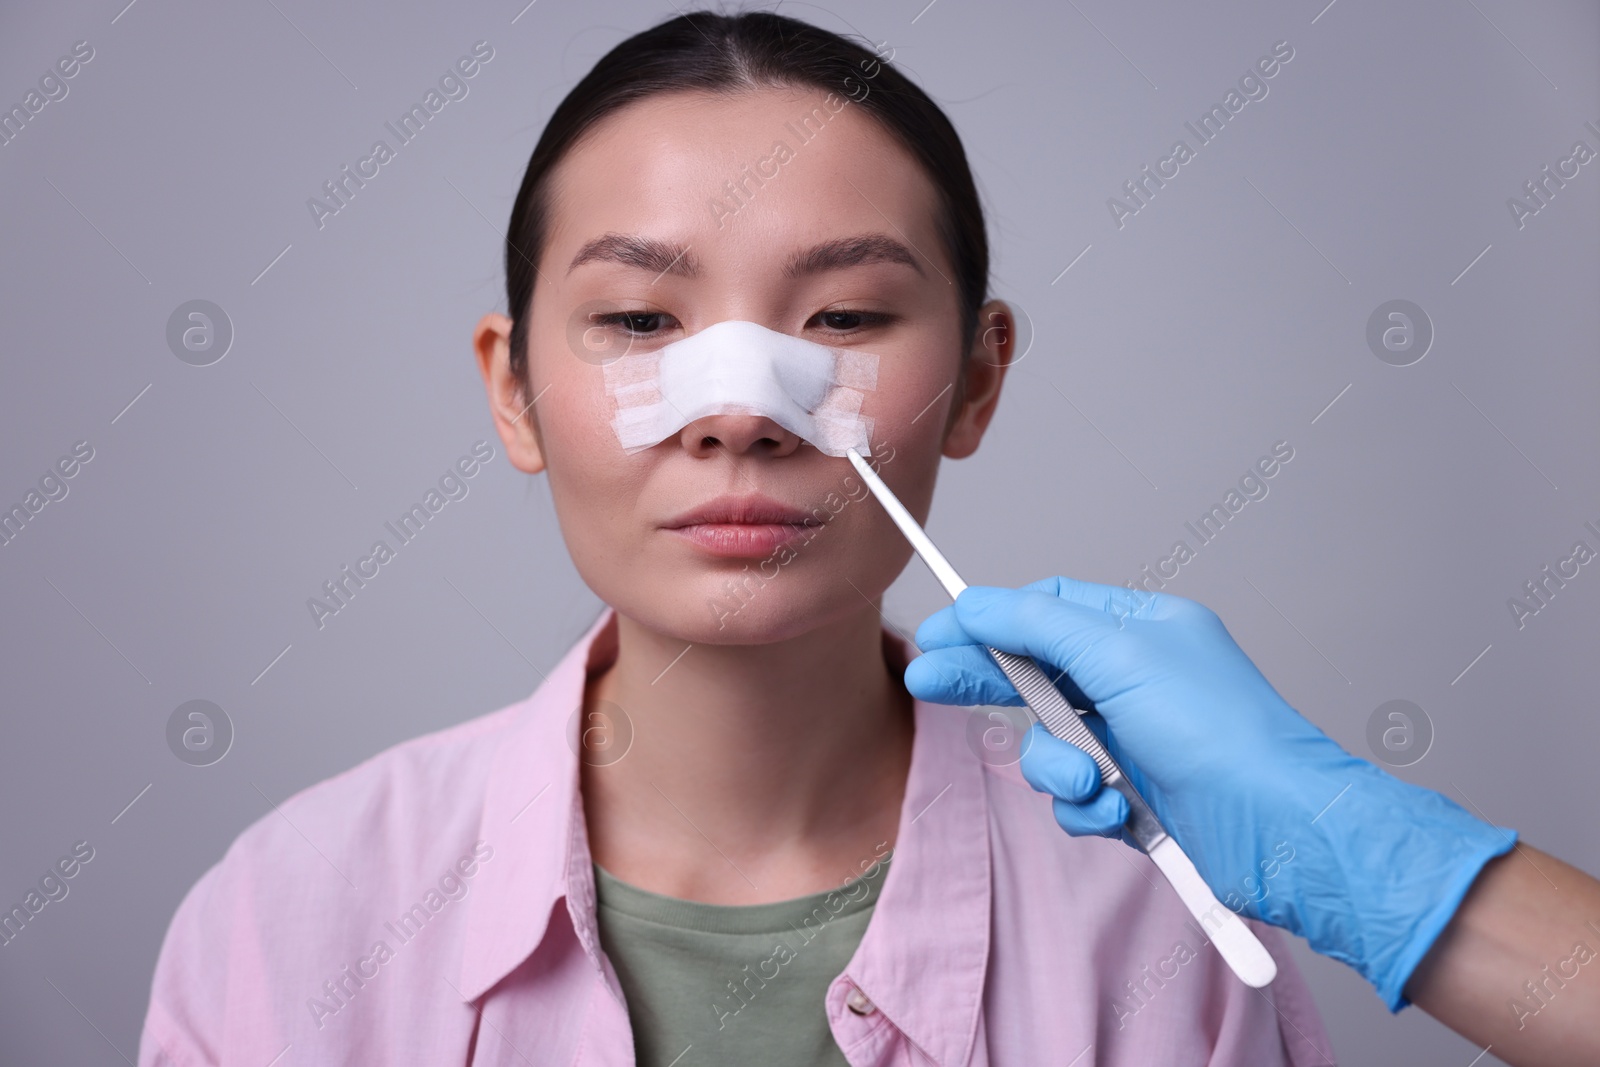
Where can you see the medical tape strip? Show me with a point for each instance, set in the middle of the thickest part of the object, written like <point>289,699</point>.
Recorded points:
<point>738,367</point>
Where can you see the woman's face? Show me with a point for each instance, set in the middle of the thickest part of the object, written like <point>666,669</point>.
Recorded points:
<point>833,241</point>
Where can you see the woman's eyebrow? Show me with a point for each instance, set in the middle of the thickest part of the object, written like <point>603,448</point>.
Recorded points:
<point>850,252</point>
<point>636,250</point>
<point>662,257</point>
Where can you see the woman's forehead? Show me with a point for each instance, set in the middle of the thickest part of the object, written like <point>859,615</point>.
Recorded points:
<point>732,176</point>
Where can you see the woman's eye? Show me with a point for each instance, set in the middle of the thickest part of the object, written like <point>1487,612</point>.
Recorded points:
<point>638,323</point>
<point>845,321</point>
<point>650,323</point>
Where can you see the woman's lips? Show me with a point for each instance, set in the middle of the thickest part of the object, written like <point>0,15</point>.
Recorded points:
<point>756,540</point>
<point>751,525</point>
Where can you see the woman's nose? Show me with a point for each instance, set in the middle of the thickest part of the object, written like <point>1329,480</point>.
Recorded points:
<point>738,434</point>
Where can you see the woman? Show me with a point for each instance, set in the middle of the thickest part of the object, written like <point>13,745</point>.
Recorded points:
<point>721,831</point>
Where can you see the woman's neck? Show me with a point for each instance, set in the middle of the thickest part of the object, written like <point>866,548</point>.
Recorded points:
<point>756,772</point>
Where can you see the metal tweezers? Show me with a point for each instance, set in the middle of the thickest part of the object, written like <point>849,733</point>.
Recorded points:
<point>1239,947</point>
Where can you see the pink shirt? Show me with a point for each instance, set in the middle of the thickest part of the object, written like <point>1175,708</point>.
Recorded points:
<point>436,905</point>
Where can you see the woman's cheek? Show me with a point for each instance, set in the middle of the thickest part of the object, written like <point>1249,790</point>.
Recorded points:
<point>575,417</point>
<point>585,463</point>
<point>909,410</point>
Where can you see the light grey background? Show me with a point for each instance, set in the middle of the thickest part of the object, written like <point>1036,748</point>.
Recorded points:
<point>1225,316</point>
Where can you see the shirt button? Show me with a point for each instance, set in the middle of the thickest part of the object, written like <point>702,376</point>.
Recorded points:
<point>859,1003</point>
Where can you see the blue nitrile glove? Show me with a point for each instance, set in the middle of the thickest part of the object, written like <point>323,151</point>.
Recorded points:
<point>1283,824</point>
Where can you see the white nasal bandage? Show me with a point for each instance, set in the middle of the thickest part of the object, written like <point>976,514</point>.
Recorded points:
<point>736,367</point>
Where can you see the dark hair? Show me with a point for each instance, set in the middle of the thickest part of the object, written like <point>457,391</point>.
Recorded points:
<point>717,53</point>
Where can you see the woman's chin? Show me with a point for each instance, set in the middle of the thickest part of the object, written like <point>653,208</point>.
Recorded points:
<point>743,615</point>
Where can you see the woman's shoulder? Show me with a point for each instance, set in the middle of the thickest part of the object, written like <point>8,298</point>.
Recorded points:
<point>375,853</point>
<point>390,819</point>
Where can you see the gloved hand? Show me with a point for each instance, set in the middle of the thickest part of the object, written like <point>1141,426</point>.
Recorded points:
<point>1282,823</point>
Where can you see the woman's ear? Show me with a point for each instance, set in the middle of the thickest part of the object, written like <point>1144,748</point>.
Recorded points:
<point>993,348</point>
<point>508,402</point>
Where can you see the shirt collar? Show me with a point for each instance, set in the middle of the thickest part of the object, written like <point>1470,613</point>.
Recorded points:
<point>533,819</point>
<point>923,959</point>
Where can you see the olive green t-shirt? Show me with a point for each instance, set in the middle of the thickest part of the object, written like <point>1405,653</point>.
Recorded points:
<point>710,984</point>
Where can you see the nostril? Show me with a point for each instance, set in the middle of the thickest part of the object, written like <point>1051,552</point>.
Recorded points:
<point>739,434</point>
